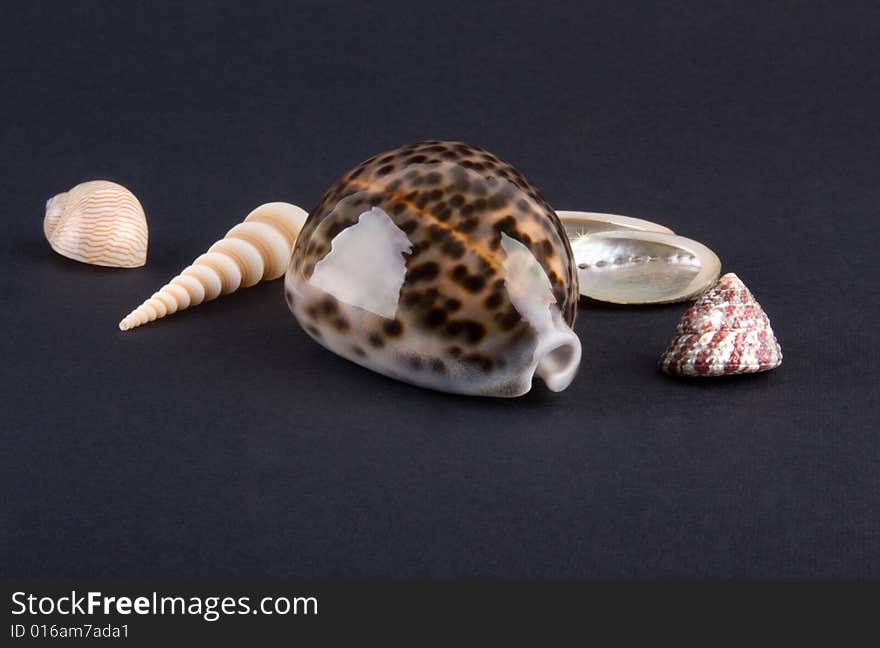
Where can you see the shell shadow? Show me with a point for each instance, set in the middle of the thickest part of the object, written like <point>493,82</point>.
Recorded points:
<point>269,351</point>
<point>590,304</point>
<point>39,250</point>
<point>713,382</point>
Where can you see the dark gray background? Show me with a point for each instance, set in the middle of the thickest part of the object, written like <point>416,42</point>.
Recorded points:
<point>224,442</point>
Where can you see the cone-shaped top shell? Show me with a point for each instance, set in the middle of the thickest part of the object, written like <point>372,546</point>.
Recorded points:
<point>725,332</point>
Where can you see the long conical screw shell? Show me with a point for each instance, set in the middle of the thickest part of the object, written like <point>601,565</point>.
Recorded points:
<point>255,250</point>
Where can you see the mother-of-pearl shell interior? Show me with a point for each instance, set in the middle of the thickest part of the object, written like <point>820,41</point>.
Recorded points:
<point>579,223</point>
<point>643,267</point>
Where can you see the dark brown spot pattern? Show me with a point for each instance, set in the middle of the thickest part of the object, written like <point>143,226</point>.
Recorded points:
<point>454,202</point>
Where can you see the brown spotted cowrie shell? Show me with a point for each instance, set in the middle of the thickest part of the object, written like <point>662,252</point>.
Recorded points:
<point>440,265</point>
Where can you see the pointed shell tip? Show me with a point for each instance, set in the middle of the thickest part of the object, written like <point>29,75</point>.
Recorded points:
<point>258,249</point>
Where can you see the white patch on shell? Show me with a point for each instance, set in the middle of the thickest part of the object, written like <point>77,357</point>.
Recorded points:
<point>365,266</point>
<point>558,351</point>
<point>527,284</point>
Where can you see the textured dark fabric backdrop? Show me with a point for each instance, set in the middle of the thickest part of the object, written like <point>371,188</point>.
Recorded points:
<point>224,442</point>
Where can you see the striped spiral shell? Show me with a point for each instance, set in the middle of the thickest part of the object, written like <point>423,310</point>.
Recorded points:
<point>725,332</point>
<point>255,250</point>
<point>98,222</point>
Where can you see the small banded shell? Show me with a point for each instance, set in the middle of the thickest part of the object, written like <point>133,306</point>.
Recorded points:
<point>98,222</point>
<point>256,250</point>
<point>725,332</point>
<point>643,266</point>
<point>440,265</point>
